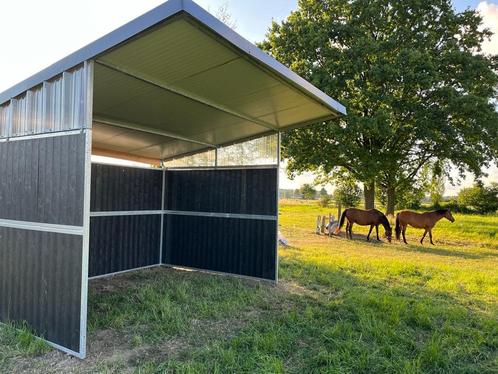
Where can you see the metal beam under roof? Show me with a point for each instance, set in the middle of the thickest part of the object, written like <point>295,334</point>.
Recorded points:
<point>187,95</point>
<point>149,130</point>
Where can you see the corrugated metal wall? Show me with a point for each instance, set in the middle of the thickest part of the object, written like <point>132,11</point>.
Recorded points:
<point>40,282</point>
<point>229,245</point>
<point>124,242</point>
<point>240,191</point>
<point>56,105</point>
<point>123,239</point>
<point>118,188</point>
<point>42,182</point>
<point>244,246</point>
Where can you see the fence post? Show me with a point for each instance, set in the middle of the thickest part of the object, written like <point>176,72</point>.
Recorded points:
<point>322,228</point>
<point>318,225</point>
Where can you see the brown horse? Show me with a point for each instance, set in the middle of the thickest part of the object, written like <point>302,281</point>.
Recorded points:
<point>371,217</point>
<point>420,221</point>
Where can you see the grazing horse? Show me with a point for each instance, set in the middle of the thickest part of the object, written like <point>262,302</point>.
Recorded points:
<point>420,221</point>
<point>371,217</point>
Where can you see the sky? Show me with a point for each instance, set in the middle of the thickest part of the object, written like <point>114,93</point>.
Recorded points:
<point>37,33</point>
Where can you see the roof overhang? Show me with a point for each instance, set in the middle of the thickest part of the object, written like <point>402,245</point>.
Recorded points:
<point>177,81</point>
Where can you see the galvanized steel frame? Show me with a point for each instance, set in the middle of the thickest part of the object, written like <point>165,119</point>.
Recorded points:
<point>82,231</point>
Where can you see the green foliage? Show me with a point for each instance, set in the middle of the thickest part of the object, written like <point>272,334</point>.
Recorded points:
<point>479,198</point>
<point>308,192</point>
<point>325,201</point>
<point>407,196</point>
<point>323,192</point>
<point>416,87</point>
<point>347,192</point>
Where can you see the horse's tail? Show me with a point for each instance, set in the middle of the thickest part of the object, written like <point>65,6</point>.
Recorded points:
<point>398,227</point>
<point>341,223</point>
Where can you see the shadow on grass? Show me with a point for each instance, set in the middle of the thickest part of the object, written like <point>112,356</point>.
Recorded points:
<point>441,251</point>
<point>415,246</point>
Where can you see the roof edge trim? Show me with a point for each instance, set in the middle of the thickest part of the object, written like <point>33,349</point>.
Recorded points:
<point>90,51</point>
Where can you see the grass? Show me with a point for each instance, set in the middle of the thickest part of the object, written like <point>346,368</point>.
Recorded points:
<point>17,340</point>
<point>341,306</point>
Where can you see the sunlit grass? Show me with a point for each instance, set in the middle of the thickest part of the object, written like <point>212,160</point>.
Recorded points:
<point>342,306</point>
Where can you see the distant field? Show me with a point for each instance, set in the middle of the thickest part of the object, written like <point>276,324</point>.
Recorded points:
<point>342,306</point>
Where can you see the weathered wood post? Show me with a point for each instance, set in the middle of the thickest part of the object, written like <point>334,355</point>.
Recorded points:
<point>318,224</point>
<point>331,219</point>
<point>322,228</point>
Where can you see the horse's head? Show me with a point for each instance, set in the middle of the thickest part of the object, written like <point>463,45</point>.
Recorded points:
<point>389,234</point>
<point>449,216</point>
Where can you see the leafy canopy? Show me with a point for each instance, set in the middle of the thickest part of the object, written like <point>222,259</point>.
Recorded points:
<point>412,76</point>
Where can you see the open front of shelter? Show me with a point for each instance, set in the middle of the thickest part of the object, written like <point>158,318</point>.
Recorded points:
<point>176,89</point>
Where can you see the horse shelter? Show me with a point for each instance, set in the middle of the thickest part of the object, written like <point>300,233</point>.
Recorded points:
<point>178,90</point>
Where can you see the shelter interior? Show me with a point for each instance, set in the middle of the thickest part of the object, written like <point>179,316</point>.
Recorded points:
<point>175,89</point>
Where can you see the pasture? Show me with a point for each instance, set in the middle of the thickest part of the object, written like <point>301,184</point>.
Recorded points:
<point>341,306</point>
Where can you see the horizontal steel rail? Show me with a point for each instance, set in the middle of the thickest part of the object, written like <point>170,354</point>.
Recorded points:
<point>44,227</point>
<point>183,213</point>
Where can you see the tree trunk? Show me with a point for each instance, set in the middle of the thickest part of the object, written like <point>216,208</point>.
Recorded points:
<point>391,200</point>
<point>369,193</point>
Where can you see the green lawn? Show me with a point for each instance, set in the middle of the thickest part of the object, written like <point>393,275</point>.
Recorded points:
<point>341,306</point>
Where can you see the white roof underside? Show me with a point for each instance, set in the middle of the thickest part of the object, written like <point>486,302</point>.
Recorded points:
<point>177,81</point>
<point>181,79</point>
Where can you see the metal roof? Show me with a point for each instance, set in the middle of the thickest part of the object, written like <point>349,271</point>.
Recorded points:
<point>177,80</point>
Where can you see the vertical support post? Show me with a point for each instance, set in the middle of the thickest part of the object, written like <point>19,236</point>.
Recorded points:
<point>162,218</point>
<point>216,158</point>
<point>278,195</point>
<point>87,129</point>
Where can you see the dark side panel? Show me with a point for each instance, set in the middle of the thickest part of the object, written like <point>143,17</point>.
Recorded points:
<point>123,243</point>
<point>41,180</point>
<point>240,191</point>
<point>229,245</point>
<point>40,283</point>
<point>118,188</point>
<point>244,246</point>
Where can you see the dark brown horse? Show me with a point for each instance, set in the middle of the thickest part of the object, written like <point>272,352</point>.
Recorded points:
<point>420,221</point>
<point>371,217</point>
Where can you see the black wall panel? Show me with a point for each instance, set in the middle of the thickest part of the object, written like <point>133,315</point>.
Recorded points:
<point>123,243</point>
<point>42,180</point>
<point>237,246</point>
<point>242,191</point>
<point>231,245</point>
<point>40,283</point>
<point>118,188</point>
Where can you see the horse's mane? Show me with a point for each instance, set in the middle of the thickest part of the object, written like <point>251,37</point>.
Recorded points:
<point>442,211</point>
<point>385,221</point>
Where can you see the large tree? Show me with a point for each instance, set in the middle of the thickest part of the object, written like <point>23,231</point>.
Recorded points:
<point>414,81</point>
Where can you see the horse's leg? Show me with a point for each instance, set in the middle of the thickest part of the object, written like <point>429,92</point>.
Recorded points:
<point>351,231</point>
<point>368,236</point>
<point>377,231</point>
<point>423,237</point>
<point>347,229</point>
<point>430,236</point>
<point>403,231</point>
